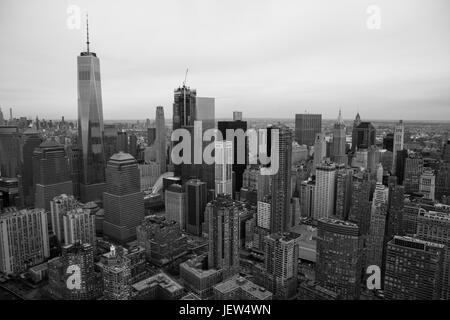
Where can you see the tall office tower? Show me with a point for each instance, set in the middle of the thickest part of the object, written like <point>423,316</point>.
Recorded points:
<point>443,181</point>
<point>307,193</point>
<point>399,133</point>
<point>356,123</point>
<point>175,203</point>
<point>110,140</point>
<point>74,154</point>
<point>343,192</point>
<point>339,257</point>
<point>325,190</point>
<point>446,150</point>
<point>149,172</point>
<point>2,119</point>
<point>281,263</point>
<point>413,269</point>
<point>122,141</point>
<point>306,128</point>
<point>59,206</point>
<point>378,215</point>
<point>78,257</point>
<point>364,134</point>
<point>25,241</point>
<point>379,172</point>
<point>90,125</point>
<point>413,171</point>
<point>263,213</point>
<point>123,200</point>
<point>396,200</point>
<point>435,227</point>
<point>223,163</point>
<point>427,184</point>
<point>51,173</point>
<point>222,215</point>
<point>402,155</point>
<point>133,146</point>
<point>320,149</point>
<point>360,208</point>
<point>10,151</point>
<point>160,140</point>
<point>281,181</point>
<point>31,140</point>
<point>240,147</point>
<point>196,203</point>
<point>339,141</point>
<point>79,226</point>
<point>183,112</point>
<point>237,115</point>
<point>388,142</point>
<point>116,274</point>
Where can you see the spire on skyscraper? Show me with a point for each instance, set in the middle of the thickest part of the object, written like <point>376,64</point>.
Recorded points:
<point>87,32</point>
<point>340,120</point>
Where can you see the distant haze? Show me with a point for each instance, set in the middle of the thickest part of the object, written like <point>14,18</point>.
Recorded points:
<point>266,58</point>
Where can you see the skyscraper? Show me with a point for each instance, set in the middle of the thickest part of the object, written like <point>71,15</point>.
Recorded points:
<point>223,166</point>
<point>363,135</point>
<point>360,208</point>
<point>281,263</point>
<point>306,128</point>
<point>59,206</point>
<point>413,269</point>
<point>339,257</point>
<point>399,132</point>
<point>116,275</point>
<point>325,190</point>
<point>281,181</point>
<point>339,141</point>
<point>427,184</point>
<point>31,140</point>
<point>51,173</point>
<point>413,171</point>
<point>196,203</point>
<point>90,125</point>
<point>122,142</point>
<point>223,235</point>
<point>10,155</point>
<point>320,149</point>
<point>175,204</point>
<point>79,226</point>
<point>161,139</point>
<point>123,199</point>
<point>343,192</point>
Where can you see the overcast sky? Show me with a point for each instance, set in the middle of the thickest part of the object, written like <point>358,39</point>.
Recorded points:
<point>267,58</point>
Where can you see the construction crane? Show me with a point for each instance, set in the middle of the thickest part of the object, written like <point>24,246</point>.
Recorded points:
<point>185,76</point>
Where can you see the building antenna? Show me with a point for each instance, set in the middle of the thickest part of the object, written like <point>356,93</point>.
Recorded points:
<point>87,31</point>
<point>185,76</point>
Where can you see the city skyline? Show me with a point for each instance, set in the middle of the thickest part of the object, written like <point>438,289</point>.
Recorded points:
<point>258,61</point>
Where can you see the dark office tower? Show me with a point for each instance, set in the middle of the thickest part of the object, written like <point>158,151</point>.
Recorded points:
<point>222,215</point>
<point>151,136</point>
<point>446,151</point>
<point>110,140</point>
<point>239,148</point>
<point>31,140</point>
<point>443,181</point>
<point>122,142</point>
<point>400,165</point>
<point>339,257</point>
<point>75,156</point>
<point>343,192</point>
<point>123,200</point>
<point>281,181</point>
<point>413,171</point>
<point>365,134</point>
<point>399,133</point>
<point>413,269</point>
<point>281,263</point>
<point>388,142</point>
<point>396,198</point>
<point>90,125</point>
<point>51,173</point>
<point>435,227</point>
<point>10,151</point>
<point>196,203</point>
<point>2,119</point>
<point>161,139</point>
<point>306,128</point>
<point>78,257</point>
<point>360,207</point>
<point>339,141</point>
<point>133,145</point>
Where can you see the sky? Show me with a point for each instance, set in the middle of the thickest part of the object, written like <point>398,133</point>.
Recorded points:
<point>266,58</point>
